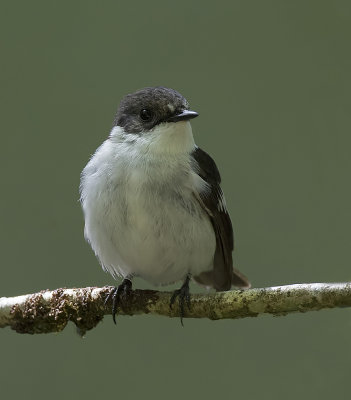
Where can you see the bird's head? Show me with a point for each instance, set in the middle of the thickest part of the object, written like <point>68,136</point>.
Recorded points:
<point>145,109</point>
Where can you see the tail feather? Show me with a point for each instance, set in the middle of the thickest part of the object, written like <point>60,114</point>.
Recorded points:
<point>239,280</point>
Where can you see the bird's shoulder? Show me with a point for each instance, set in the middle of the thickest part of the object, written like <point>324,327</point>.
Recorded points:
<point>205,166</point>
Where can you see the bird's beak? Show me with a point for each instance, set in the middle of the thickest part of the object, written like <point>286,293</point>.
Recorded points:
<point>183,116</point>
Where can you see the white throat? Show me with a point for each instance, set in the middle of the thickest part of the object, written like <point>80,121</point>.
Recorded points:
<point>166,138</point>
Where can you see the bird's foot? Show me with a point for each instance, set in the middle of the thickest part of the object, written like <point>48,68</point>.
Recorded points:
<point>119,295</point>
<point>184,298</point>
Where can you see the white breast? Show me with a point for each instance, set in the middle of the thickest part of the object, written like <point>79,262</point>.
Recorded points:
<point>141,216</point>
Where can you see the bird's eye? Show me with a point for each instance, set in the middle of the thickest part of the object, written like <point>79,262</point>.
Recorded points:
<point>146,114</point>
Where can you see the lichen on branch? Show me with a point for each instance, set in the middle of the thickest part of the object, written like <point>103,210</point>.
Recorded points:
<point>50,311</point>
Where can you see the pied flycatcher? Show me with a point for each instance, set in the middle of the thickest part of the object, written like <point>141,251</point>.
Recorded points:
<point>152,201</point>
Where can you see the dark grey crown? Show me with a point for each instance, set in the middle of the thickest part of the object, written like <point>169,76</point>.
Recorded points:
<point>148,107</point>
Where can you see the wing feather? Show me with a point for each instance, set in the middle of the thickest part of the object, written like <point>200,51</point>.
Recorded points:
<point>212,201</point>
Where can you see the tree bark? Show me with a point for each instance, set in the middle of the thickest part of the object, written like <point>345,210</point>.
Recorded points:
<point>50,311</point>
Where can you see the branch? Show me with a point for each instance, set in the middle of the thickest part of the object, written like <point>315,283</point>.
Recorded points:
<point>50,311</point>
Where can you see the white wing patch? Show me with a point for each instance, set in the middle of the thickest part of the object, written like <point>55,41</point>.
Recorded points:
<point>222,206</point>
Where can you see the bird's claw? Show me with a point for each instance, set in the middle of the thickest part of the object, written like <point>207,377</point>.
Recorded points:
<point>119,295</point>
<point>183,295</point>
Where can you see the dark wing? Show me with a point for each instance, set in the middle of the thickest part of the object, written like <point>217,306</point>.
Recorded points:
<point>223,276</point>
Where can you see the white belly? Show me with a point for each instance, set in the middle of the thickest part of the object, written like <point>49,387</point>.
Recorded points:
<point>147,226</point>
<point>163,242</point>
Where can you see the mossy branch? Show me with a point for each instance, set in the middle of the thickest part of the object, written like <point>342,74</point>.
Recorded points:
<point>50,311</point>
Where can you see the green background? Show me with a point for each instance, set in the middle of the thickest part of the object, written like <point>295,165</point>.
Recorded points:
<point>271,81</point>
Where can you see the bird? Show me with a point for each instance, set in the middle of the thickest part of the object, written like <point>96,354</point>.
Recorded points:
<point>152,202</point>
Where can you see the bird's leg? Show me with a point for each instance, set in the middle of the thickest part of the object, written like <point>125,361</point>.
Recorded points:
<point>184,298</point>
<point>119,294</point>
